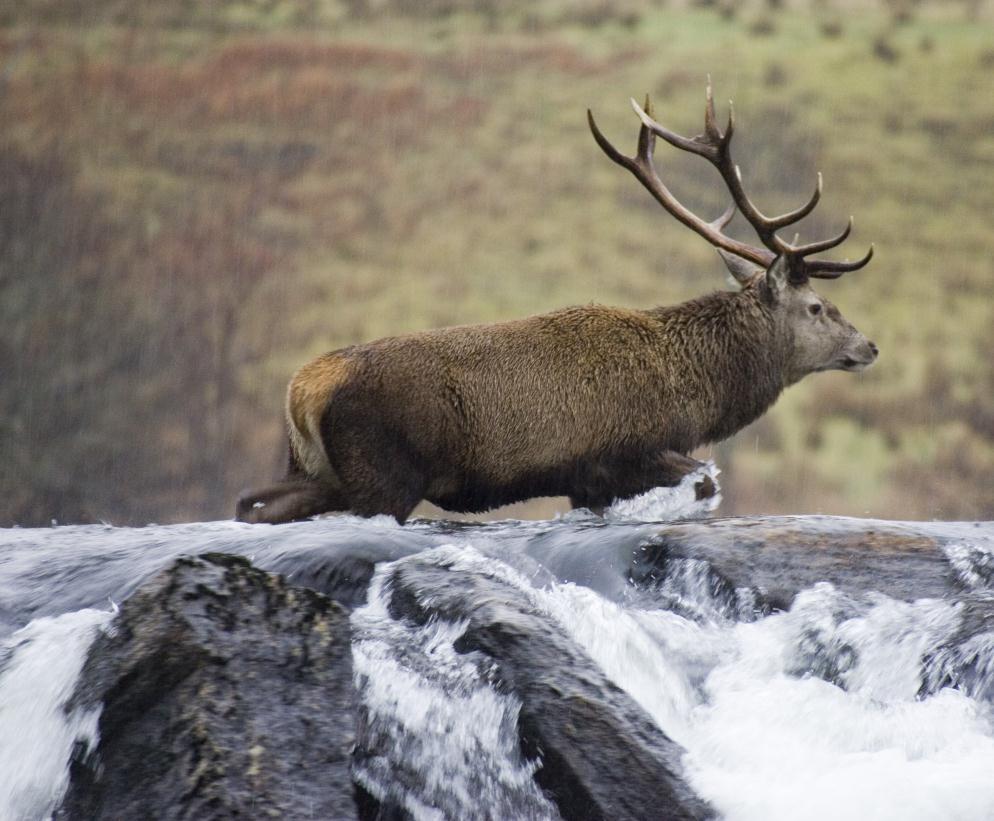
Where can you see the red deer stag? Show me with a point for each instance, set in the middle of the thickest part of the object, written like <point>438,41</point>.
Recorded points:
<point>589,402</point>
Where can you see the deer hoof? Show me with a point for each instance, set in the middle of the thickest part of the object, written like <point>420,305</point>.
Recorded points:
<point>704,489</point>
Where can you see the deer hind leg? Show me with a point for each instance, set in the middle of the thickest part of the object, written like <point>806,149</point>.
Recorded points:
<point>377,469</point>
<point>597,508</point>
<point>380,482</point>
<point>289,501</point>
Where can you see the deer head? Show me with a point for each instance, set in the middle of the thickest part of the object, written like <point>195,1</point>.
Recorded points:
<point>820,338</point>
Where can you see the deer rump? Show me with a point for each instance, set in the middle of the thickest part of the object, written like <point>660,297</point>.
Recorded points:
<point>593,403</point>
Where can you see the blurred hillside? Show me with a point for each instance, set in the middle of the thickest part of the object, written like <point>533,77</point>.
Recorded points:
<point>195,198</point>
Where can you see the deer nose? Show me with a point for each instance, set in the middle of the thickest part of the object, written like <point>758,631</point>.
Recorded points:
<point>874,349</point>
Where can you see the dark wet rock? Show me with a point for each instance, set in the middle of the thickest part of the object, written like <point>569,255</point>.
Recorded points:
<point>602,756</point>
<point>771,559</point>
<point>823,657</point>
<point>341,572</point>
<point>965,661</point>
<point>691,587</point>
<point>371,808</point>
<point>226,693</point>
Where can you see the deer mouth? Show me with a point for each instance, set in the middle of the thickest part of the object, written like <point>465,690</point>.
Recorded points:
<point>853,365</point>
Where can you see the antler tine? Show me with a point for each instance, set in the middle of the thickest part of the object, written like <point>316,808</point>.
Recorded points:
<point>642,167</point>
<point>711,122</point>
<point>707,145</point>
<point>825,269</point>
<point>800,251</point>
<point>720,223</point>
<point>606,146</point>
<point>799,213</point>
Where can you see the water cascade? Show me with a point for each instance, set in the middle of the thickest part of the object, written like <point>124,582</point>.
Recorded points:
<point>617,666</point>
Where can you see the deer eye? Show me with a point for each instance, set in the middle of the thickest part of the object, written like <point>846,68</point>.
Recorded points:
<point>814,309</point>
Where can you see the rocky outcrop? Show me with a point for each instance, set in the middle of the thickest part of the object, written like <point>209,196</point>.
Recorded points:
<point>340,572</point>
<point>601,755</point>
<point>776,557</point>
<point>341,564</point>
<point>964,661</point>
<point>225,693</point>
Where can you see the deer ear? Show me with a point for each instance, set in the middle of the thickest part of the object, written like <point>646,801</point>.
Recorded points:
<point>742,270</point>
<point>777,278</point>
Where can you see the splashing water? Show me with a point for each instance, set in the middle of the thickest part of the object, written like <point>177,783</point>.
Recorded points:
<point>39,666</point>
<point>842,706</point>
<point>668,504</point>
<point>806,714</point>
<point>439,741</point>
<point>811,713</point>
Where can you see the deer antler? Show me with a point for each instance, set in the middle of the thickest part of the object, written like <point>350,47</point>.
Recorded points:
<point>715,146</point>
<point>642,167</point>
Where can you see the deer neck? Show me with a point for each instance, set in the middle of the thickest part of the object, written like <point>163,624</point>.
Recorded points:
<point>743,355</point>
<point>754,365</point>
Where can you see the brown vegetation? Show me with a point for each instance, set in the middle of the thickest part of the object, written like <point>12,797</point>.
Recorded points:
<point>196,198</point>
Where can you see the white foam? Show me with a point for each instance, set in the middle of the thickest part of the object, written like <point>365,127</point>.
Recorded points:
<point>667,504</point>
<point>972,561</point>
<point>766,740</point>
<point>446,743</point>
<point>39,666</point>
<point>766,737</point>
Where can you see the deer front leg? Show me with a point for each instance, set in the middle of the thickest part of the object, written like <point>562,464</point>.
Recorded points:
<point>627,478</point>
<point>670,469</point>
<point>679,466</point>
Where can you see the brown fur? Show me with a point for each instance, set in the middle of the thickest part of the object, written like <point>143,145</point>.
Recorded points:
<point>307,396</point>
<point>591,402</point>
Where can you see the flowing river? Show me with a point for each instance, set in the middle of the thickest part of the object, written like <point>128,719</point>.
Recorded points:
<point>843,703</point>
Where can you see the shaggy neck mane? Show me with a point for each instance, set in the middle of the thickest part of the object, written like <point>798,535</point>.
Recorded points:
<point>734,344</point>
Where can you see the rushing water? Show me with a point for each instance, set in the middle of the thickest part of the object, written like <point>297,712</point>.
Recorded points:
<point>843,706</point>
